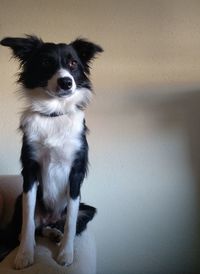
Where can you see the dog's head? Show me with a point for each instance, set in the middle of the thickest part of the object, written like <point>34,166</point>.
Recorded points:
<point>58,70</point>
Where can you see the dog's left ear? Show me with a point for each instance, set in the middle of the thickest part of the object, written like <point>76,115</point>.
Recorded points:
<point>22,47</point>
<point>86,50</point>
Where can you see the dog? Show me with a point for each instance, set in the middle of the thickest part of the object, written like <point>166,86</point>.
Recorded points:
<point>55,82</point>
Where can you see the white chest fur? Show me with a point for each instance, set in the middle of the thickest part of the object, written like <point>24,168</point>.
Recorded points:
<point>55,142</point>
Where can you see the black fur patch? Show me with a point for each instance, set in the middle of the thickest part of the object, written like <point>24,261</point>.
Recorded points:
<point>30,168</point>
<point>80,167</point>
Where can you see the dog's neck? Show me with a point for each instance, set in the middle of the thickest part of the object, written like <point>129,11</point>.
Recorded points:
<point>52,114</point>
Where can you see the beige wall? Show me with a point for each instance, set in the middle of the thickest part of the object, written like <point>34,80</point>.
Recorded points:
<point>145,124</point>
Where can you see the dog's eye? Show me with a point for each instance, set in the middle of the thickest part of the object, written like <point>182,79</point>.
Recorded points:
<point>73,64</point>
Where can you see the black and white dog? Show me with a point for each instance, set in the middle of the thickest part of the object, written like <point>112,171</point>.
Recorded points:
<point>55,82</point>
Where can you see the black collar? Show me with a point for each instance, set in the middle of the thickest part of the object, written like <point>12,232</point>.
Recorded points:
<point>52,115</point>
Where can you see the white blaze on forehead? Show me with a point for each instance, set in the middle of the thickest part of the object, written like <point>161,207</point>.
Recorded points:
<point>61,73</point>
<point>64,73</point>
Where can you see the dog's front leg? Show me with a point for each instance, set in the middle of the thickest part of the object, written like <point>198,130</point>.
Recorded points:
<point>76,177</point>
<point>66,252</point>
<point>25,254</point>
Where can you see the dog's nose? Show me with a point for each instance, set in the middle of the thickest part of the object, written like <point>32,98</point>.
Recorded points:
<point>65,83</point>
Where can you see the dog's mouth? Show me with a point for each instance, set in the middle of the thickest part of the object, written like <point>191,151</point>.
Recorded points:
<point>61,93</point>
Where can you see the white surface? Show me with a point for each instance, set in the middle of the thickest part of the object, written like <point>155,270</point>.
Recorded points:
<point>45,251</point>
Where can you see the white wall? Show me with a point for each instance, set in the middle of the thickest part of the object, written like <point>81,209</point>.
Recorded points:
<point>144,120</point>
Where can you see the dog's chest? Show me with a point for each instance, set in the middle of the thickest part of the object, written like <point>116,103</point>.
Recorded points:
<point>57,138</point>
<point>55,142</point>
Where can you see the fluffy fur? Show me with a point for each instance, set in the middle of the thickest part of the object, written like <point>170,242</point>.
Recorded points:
<point>54,156</point>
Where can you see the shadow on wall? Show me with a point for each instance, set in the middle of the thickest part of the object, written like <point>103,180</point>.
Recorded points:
<point>180,109</point>
<point>156,131</point>
<point>172,109</point>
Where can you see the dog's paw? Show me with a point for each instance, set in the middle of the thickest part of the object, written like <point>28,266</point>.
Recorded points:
<point>65,257</point>
<point>23,259</point>
<point>53,234</point>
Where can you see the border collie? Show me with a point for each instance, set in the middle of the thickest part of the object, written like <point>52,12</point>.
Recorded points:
<point>54,155</point>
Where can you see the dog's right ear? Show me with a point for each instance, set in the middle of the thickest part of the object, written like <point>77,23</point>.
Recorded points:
<point>22,48</point>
